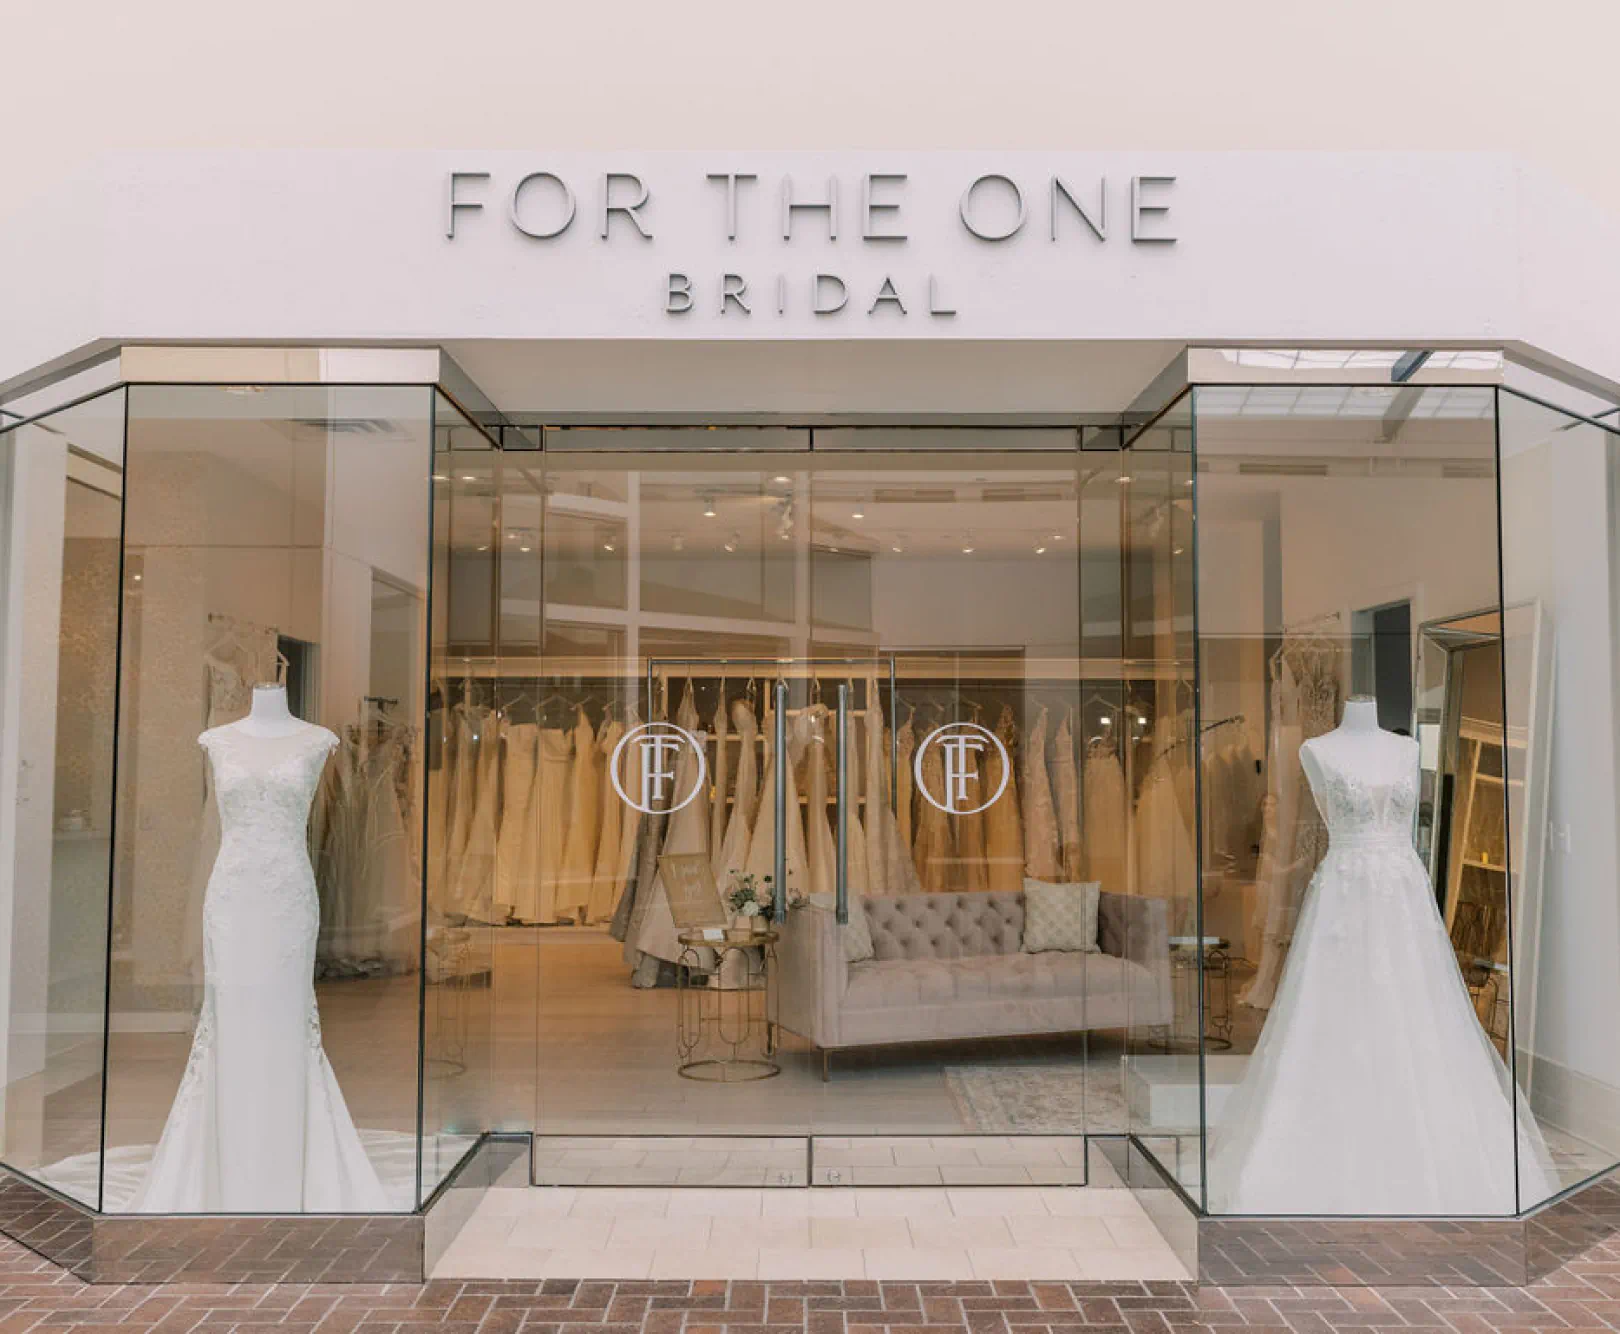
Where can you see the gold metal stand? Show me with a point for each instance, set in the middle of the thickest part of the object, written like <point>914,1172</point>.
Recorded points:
<point>726,1012</point>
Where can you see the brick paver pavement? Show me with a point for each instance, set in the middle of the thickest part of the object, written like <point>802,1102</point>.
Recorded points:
<point>37,1295</point>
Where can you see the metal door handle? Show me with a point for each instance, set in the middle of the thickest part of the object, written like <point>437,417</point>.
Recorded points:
<point>779,743</point>
<point>842,901</point>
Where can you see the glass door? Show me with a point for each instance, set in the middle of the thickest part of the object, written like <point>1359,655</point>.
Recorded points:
<point>842,690</point>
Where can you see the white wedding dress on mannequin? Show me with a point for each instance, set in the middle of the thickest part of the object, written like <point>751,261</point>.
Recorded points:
<point>1373,1088</point>
<point>259,1124</point>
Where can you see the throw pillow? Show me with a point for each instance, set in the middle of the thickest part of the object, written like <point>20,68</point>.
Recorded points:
<point>1060,917</point>
<point>856,934</point>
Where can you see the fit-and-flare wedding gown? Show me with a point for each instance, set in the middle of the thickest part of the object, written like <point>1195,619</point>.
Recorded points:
<point>1373,1088</point>
<point>259,1124</point>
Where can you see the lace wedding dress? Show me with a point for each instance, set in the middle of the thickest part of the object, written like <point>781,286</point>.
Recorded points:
<point>1373,1088</point>
<point>259,1124</point>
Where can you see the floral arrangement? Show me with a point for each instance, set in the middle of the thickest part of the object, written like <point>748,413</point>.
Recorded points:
<point>750,896</point>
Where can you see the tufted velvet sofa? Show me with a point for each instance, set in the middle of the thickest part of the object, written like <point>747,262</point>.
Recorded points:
<point>952,966</point>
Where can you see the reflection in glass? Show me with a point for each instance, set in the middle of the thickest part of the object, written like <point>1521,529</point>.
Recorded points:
<point>63,479</point>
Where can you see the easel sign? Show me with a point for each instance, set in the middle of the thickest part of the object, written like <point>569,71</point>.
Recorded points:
<point>694,898</point>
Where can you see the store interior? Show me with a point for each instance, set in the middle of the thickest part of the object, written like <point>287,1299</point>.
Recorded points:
<point>484,618</point>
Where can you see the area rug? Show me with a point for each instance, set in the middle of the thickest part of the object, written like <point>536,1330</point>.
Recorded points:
<point>1049,1098</point>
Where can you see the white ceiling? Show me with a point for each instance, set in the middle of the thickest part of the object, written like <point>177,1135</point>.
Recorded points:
<point>626,380</point>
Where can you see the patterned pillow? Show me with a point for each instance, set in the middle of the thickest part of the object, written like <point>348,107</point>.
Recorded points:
<point>1061,917</point>
<point>856,934</point>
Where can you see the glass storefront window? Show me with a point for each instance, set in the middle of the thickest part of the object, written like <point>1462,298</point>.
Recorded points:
<point>270,814</point>
<point>1293,710</point>
<point>1355,894</point>
<point>62,492</point>
<point>1560,488</point>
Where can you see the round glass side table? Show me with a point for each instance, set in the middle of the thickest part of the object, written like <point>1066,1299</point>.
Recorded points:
<point>726,1011</point>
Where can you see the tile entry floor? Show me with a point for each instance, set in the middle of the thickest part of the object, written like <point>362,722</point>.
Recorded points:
<point>866,1233</point>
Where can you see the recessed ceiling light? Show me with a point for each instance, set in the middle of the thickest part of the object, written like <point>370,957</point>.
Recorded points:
<point>440,477</point>
<point>1107,720</point>
<point>730,543</point>
<point>523,548</point>
<point>781,481</point>
<point>708,508</point>
<point>1040,551</point>
<point>1124,477</point>
<point>859,512</point>
<point>967,551</point>
<point>1178,551</point>
<point>897,550</point>
<point>468,477</point>
<point>1057,537</point>
<point>137,578</point>
<point>607,546</point>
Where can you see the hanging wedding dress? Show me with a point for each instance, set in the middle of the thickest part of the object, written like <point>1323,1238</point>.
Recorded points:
<point>732,861</point>
<point>809,748</point>
<point>385,876</point>
<point>906,746</point>
<point>1040,822</point>
<point>855,831</point>
<point>1166,859</point>
<point>550,823</point>
<point>630,830</point>
<point>514,853</point>
<point>1071,857</point>
<point>1105,844</point>
<point>1304,704</point>
<point>876,818</point>
<point>461,797</point>
<point>720,779</point>
<point>652,927</point>
<point>475,871</point>
<point>259,1124</point>
<point>604,878</point>
<point>934,855</point>
<point>579,845</point>
<point>1003,830</point>
<point>968,832</point>
<point>1373,1088</point>
<point>762,846</point>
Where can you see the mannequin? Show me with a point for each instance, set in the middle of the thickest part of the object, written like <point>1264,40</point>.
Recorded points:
<point>1373,1088</point>
<point>258,1124</point>
<point>269,715</point>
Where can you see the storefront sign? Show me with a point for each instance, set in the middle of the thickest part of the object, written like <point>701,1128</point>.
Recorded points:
<point>658,746</point>
<point>960,744</point>
<point>866,210</point>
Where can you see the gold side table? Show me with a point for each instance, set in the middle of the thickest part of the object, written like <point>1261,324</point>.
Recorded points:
<point>725,1014</point>
<point>1187,971</point>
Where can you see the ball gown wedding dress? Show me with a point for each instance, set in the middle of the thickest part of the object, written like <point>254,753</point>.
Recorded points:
<point>1373,1088</point>
<point>259,1124</point>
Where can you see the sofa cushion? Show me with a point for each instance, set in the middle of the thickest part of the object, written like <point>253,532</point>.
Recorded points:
<point>984,978</point>
<point>1060,917</point>
<point>855,934</point>
<point>946,925</point>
